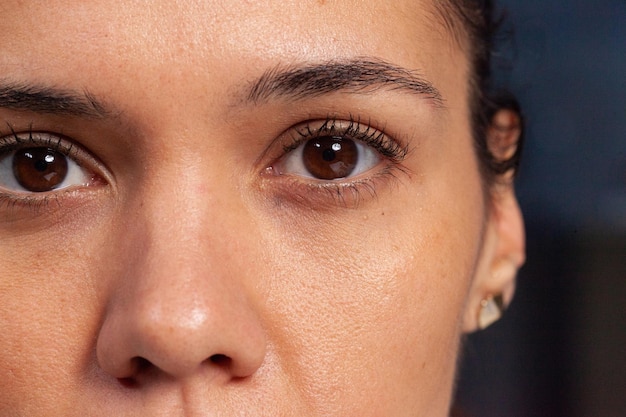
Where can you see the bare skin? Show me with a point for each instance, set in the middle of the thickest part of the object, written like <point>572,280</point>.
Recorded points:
<point>193,267</point>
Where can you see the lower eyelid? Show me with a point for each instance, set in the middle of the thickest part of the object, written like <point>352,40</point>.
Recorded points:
<point>26,211</point>
<point>328,195</point>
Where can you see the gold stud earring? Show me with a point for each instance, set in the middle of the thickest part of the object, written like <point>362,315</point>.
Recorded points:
<point>490,310</point>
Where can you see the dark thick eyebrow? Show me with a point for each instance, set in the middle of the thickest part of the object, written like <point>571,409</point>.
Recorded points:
<point>357,76</point>
<point>49,100</point>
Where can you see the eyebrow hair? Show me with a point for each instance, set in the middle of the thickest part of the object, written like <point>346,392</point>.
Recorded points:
<point>41,99</point>
<point>362,75</point>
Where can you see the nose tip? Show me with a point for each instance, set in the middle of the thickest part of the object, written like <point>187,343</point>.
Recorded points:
<point>180,300</point>
<point>223,337</point>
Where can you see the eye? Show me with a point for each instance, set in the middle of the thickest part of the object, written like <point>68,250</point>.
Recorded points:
<point>329,158</point>
<point>39,169</point>
<point>335,150</point>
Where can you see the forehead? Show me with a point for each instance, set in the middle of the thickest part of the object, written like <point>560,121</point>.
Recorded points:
<point>200,21</point>
<point>67,42</point>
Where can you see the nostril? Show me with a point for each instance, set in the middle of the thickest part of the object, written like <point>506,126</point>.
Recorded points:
<point>139,366</point>
<point>144,370</point>
<point>221,360</point>
<point>128,382</point>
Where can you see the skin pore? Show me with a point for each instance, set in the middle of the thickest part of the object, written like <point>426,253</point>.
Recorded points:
<point>192,266</point>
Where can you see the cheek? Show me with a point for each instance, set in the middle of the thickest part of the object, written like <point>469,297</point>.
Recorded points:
<point>49,319</point>
<point>366,310</point>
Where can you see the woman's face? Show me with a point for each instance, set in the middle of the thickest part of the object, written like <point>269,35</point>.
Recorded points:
<point>235,208</point>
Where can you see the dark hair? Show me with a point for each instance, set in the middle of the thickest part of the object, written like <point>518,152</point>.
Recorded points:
<point>475,26</point>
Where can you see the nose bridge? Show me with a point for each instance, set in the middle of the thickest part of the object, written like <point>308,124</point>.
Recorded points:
<point>190,213</point>
<point>185,299</point>
<point>179,231</point>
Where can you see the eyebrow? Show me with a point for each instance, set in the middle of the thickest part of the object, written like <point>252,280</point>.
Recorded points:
<point>49,100</point>
<point>363,75</point>
<point>291,82</point>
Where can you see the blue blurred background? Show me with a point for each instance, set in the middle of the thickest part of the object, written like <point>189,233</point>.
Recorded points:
<point>560,349</point>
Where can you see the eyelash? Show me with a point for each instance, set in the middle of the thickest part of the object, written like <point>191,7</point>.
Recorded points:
<point>15,141</point>
<point>355,130</point>
<point>348,192</point>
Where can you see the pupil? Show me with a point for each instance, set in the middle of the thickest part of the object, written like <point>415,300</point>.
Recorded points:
<point>41,165</point>
<point>328,155</point>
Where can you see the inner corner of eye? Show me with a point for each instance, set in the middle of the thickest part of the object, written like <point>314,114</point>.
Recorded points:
<point>272,170</point>
<point>96,180</point>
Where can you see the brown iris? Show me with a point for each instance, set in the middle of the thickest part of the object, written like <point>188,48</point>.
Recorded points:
<point>330,157</point>
<point>39,169</point>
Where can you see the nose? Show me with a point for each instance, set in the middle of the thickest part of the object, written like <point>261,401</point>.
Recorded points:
<point>180,307</point>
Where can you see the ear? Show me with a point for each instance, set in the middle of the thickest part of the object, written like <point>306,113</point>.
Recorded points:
<point>503,251</point>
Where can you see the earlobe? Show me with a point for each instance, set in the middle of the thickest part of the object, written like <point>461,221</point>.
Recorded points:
<point>502,256</point>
